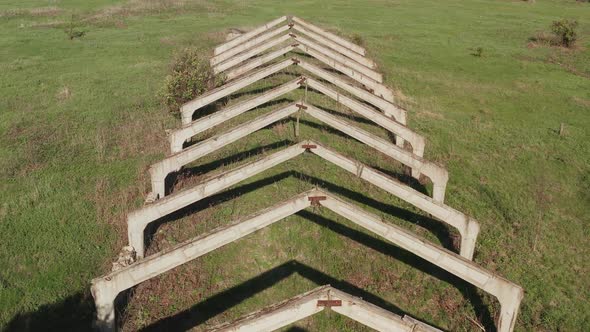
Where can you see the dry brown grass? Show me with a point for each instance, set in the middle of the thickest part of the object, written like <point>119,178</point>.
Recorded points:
<point>39,11</point>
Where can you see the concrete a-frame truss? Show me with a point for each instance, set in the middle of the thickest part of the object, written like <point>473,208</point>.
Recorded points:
<point>106,288</point>
<point>374,101</point>
<point>159,171</point>
<point>310,303</point>
<point>138,220</point>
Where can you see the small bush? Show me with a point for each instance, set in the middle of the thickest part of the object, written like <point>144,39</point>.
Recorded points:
<point>565,32</point>
<point>477,52</point>
<point>191,76</point>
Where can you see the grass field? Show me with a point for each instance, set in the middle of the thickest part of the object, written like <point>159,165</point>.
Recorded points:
<point>81,120</point>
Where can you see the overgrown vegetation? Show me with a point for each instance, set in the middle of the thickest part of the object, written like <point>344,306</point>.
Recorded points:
<point>80,124</point>
<point>565,32</point>
<point>191,75</point>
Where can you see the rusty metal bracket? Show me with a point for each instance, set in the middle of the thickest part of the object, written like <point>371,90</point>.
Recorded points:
<point>295,61</point>
<point>291,25</point>
<point>295,44</point>
<point>315,200</point>
<point>292,35</point>
<point>301,106</point>
<point>329,303</point>
<point>309,146</point>
<point>302,80</point>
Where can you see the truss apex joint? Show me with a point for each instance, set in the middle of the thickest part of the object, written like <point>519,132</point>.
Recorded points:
<point>309,146</point>
<point>295,61</point>
<point>329,303</point>
<point>301,106</point>
<point>315,200</point>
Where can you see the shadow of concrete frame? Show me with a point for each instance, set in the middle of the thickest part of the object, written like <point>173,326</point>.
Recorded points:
<point>138,220</point>
<point>160,170</point>
<point>106,288</point>
<point>188,109</point>
<point>390,110</point>
<point>310,303</point>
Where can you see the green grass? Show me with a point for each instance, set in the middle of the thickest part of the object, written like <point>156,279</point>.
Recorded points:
<point>81,120</point>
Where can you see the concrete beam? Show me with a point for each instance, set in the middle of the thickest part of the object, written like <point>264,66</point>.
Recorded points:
<point>438,175</point>
<point>106,288</point>
<point>467,227</point>
<point>339,40</point>
<point>138,220</point>
<point>417,141</point>
<point>392,111</point>
<point>248,44</point>
<point>403,132</point>
<point>361,77</point>
<point>508,294</point>
<point>160,170</point>
<point>242,38</point>
<point>190,107</point>
<point>335,46</point>
<point>179,136</point>
<point>306,45</point>
<point>307,304</point>
<point>340,58</point>
<point>279,315</point>
<point>373,316</point>
<point>257,62</point>
<point>241,57</point>
<point>374,86</point>
<point>388,108</point>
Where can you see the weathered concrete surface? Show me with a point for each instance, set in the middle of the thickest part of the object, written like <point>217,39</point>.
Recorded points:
<point>467,227</point>
<point>438,175</point>
<point>139,219</point>
<point>308,43</point>
<point>360,76</point>
<point>299,307</point>
<point>190,107</point>
<point>242,38</point>
<point>160,170</point>
<point>388,108</point>
<point>279,315</point>
<point>341,41</point>
<point>106,288</point>
<point>248,44</point>
<point>241,57</point>
<point>374,86</point>
<point>400,130</point>
<point>417,141</point>
<point>179,136</point>
<point>257,62</point>
<point>335,46</point>
<point>508,294</point>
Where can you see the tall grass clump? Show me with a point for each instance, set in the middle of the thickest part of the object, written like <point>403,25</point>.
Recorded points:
<point>191,75</point>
